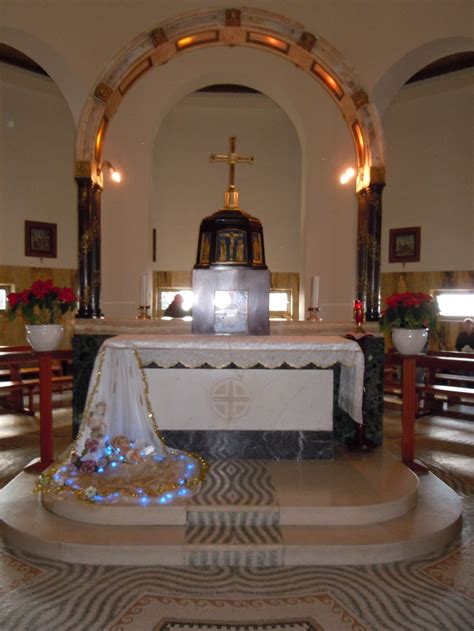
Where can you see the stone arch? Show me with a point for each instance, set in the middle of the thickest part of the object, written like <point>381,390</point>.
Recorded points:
<point>58,70</point>
<point>260,30</point>
<point>231,27</point>
<point>414,60</point>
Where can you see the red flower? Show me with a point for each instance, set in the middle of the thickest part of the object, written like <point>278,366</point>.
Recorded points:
<point>25,296</point>
<point>40,288</point>
<point>13,299</point>
<point>43,303</point>
<point>66,295</point>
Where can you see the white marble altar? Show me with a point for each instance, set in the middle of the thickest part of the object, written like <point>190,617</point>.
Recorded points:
<point>248,396</point>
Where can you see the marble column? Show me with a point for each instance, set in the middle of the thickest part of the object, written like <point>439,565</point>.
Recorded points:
<point>89,248</point>
<point>95,253</point>
<point>368,248</point>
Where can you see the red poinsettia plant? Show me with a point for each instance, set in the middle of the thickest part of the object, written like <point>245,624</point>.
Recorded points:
<point>409,310</point>
<point>43,303</point>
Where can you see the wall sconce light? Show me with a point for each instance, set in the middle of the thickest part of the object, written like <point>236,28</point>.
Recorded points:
<point>347,175</point>
<point>114,174</point>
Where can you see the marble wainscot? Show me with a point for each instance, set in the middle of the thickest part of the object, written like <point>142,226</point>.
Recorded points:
<point>226,412</point>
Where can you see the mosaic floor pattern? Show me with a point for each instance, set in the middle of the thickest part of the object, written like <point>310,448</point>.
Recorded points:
<point>434,592</point>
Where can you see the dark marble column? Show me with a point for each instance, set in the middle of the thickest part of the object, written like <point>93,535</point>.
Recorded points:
<point>368,249</point>
<point>95,253</point>
<point>85,196</point>
<point>89,248</point>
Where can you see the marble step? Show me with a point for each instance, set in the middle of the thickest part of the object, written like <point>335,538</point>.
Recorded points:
<point>353,490</point>
<point>27,525</point>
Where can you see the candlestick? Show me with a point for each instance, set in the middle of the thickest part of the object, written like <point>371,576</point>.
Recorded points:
<point>143,289</point>
<point>314,302</point>
<point>314,314</point>
<point>359,315</point>
<point>143,312</point>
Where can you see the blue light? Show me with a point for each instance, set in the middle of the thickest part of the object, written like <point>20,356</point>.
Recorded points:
<point>183,492</point>
<point>121,458</point>
<point>76,487</point>
<point>144,500</point>
<point>163,500</point>
<point>100,470</point>
<point>190,466</point>
<point>181,482</point>
<point>98,498</point>
<point>69,482</point>
<point>169,496</point>
<point>158,458</point>
<point>113,464</point>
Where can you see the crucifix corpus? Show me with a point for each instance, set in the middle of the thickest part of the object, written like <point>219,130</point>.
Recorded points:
<point>231,196</point>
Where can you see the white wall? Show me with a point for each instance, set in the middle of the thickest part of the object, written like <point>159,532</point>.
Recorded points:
<point>327,212</point>
<point>187,187</point>
<point>430,167</point>
<point>36,167</point>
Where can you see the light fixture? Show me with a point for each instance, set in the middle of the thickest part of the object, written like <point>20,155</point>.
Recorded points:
<point>199,38</point>
<point>114,174</point>
<point>266,40</point>
<point>360,144</point>
<point>347,175</point>
<point>328,80</point>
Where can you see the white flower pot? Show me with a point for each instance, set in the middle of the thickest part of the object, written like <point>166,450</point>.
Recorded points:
<point>409,341</point>
<point>44,337</point>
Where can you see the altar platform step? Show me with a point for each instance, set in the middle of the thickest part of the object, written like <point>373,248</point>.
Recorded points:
<point>359,509</point>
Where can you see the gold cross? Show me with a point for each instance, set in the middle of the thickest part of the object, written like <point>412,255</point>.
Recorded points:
<point>231,158</point>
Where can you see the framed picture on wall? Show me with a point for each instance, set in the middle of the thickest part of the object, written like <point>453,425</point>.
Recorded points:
<point>404,245</point>
<point>40,239</point>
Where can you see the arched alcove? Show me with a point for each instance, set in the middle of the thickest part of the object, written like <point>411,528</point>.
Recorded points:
<point>186,187</point>
<point>414,60</point>
<point>38,192</point>
<point>327,213</point>
<point>37,143</point>
<point>57,68</point>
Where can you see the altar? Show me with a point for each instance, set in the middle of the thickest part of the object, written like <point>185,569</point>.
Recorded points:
<point>265,397</point>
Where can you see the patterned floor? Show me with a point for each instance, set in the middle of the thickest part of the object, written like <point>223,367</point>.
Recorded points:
<point>431,593</point>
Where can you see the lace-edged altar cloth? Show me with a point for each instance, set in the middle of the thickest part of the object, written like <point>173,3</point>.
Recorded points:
<point>119,455</point>
<point>267,351</point>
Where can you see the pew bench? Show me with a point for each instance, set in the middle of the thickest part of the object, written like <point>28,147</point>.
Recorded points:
<point>434,395</point>
<point>30,387</point>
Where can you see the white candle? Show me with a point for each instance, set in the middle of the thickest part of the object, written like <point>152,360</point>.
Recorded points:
<point>143,290</point>
<point>314,292</point>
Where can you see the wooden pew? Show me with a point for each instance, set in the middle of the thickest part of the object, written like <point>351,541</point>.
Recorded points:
<point>409,364</point>
<point>20,375</point>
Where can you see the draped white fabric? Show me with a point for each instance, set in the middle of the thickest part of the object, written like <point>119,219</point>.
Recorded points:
<point>118,399</point>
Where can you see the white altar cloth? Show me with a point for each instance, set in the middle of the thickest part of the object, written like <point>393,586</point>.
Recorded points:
<point>272,351</point>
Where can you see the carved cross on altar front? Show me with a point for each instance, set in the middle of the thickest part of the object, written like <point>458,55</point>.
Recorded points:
<point>232,158</point>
